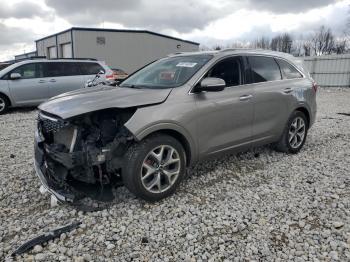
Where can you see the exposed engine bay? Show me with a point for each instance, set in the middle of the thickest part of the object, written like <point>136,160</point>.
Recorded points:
<point>83,156</point>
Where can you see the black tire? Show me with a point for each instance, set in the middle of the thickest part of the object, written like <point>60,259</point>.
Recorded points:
<point>4,104</point>
<point>284,144</point>
<point>135,158</point>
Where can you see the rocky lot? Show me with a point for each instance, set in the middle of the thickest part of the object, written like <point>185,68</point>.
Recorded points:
<point>260,205</point>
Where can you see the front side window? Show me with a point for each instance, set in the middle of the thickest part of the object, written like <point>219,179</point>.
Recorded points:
<point>29,71</point>
<point>167,72</point>
<point>229,70</point>
<point>288,71</point>
<point>263,69</point>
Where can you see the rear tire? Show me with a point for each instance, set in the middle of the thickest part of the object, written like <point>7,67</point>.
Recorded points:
<point>4,104</point>
<point>294,134</point>
<point>154,167</point>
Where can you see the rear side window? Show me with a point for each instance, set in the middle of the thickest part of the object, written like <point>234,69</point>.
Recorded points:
<point>90,68</point>
<point>288,71</point>
<point>29,71</point>
<point>263,69</point>
<point>56,69</point>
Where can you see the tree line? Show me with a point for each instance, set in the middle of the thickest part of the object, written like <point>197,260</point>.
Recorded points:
<point>321,42</point>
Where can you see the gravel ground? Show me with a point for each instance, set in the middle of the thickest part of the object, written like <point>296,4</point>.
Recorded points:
<point>259,205</point>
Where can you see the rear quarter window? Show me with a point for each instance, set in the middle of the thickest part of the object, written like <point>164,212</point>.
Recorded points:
<point>288,70</point>
<point>90,68</point>
<point>263,69</point>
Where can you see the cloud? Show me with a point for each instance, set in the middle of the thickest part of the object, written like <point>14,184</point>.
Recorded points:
<point>180,15</point>
<point>278,6</point>
<point>20,10</point>
<point>15,40</point>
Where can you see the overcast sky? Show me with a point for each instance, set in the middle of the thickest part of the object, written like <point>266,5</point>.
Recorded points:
<point>209,22</point>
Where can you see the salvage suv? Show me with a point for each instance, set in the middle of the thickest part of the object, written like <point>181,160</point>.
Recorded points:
<point>167,116</point>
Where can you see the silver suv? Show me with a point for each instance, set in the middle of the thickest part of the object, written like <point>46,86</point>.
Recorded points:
<point>169,115</point>
<point>31,82</point>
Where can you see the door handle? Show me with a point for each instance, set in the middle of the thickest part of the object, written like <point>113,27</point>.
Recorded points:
<point>287,90</point>
<point>41,81</point>
<point>245,97</point>
<point>52,80</point>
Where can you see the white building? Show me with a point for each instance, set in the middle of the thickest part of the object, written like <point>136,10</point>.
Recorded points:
<point>125,49</point>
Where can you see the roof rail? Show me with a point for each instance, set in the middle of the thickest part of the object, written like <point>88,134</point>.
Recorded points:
<point>34,57</point>
<point>238,49</point>
<point>75,58</point>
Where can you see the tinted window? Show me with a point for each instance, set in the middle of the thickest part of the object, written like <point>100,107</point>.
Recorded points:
<point>229,70</point>
<point>90,68</point>
<point>56,69</point>
<point>288,71</point>
<point>29,71</point>
<point>263,69</point>
<point>71,69</point>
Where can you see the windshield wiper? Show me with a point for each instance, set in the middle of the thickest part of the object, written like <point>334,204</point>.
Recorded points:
<point>132,86</point>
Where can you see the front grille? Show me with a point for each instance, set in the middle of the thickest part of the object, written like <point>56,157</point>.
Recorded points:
<point>49,124</point>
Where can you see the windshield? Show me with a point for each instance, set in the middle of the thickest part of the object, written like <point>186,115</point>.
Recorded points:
<point>167,72</point>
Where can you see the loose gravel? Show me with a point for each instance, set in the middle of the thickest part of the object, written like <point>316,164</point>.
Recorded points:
<point>259,205</point>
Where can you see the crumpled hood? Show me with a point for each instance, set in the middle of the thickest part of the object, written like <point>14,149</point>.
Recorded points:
<point>87,100</point>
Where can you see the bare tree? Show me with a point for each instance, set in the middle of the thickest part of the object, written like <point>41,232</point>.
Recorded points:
<point>262,42</point>
<point>282,43</point>
<point>323,41</point>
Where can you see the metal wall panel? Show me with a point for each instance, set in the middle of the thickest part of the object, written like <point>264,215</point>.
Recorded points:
<point>126,50</point>
<point>329,70</point>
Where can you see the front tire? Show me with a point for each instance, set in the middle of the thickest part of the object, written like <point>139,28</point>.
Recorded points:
<point>154,167</point>
<point>294,134</point>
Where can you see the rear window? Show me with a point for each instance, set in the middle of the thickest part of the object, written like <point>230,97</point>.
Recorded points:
<point>288,71</point>
<point>263,69</point>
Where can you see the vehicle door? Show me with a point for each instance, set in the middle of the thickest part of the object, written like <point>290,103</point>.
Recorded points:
<point>63,77</point>
<point>225,118</point>
<point>31,88</point>
<point>271,99</point>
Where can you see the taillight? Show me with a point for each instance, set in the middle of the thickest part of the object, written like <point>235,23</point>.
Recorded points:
<point>314,86</point>
<point>109,76</point>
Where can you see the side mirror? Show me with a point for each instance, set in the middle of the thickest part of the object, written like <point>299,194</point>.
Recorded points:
<point>212,84</point>
<point>101,72</point>
<point>15,76</point>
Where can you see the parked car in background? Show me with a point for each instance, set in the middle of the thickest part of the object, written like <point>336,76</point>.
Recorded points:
<point>33,81</point>
<point>119,74</point>
<point>169,115</point>
<point>4,65</point>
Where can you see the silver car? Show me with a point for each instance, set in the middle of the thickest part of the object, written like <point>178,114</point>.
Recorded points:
<point>167,116</point>
<point>33,81</point>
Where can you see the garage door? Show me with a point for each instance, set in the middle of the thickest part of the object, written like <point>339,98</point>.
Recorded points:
<point>52,52</point>
<point>67,50</point>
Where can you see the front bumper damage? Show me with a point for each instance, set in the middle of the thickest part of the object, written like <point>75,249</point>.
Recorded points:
<point>82,157</point>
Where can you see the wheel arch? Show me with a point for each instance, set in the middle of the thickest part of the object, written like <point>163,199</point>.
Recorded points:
<point>178,133</point>
<point>306,112</point>
<point>7,97</point>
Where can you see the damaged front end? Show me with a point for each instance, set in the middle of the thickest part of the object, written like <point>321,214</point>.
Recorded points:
<point>82,156</point>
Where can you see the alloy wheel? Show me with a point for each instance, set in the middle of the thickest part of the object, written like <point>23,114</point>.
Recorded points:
<point>296,133</point>
<point>2,104</point>
<point>160,169</point>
